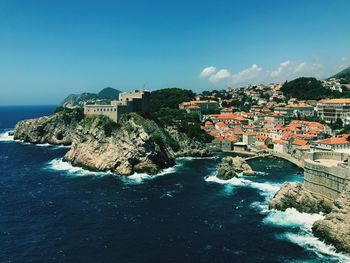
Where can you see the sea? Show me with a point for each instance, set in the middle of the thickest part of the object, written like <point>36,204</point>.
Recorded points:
<point>51,211</point>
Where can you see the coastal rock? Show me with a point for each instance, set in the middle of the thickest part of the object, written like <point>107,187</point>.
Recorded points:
<point>134,145</point>
<point>57,129</point>
<point>293,195</point>
<point>335,227</point>
<point>187,146</point>
<point>232,166</point>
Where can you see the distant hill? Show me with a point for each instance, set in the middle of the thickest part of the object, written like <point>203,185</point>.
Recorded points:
<point>77,100</point>
<point>344,74</point>
<point>307,89</point>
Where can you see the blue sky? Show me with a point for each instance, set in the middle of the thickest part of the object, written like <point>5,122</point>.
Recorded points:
<point>49,48</point>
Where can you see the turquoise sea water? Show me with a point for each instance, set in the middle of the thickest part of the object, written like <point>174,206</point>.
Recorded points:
<point>53,212</point>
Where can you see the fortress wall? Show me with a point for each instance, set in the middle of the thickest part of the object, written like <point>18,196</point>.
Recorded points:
<point>107,110</point>
<point>324,180</point>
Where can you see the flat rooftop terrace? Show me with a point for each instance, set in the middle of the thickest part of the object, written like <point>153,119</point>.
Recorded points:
<point>327,162</point>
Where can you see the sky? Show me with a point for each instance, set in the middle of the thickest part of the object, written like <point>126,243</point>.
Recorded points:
<point>49,49</point>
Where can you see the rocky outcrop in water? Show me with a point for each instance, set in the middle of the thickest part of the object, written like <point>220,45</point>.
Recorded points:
<point>233,166</point>
<point>334,228</point>
<point>136,144</point>
<point>294,195</point>
<point>57,129</point>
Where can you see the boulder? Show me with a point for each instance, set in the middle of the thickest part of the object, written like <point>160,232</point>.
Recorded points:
<point>335,227</point>
<point>233,166</point>
<point>294,195</point>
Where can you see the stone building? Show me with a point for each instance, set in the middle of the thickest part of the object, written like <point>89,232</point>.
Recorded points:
<point>136,101</point>
<point>330,110</point>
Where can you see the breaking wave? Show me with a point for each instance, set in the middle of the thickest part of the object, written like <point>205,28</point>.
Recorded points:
<point>266,189</point>
<point>297,225</point>
<point>138,178</point>
<point>5,137</point>
<point>59,165</point>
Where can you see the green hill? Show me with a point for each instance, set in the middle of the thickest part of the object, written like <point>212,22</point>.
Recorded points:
<point>307,89</point>
<point>344,74</point>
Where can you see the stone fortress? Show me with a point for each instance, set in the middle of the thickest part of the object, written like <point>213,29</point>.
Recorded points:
<point>135,101</point>
<point>326,173</point>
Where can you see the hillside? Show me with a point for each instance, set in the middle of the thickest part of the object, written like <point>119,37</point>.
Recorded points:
<point>344,74</point>
<point>77,100</point>
<point>307,89</point>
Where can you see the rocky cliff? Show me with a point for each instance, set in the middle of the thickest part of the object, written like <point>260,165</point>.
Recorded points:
<point>294,195</point>
<point>230,167</point>
<point>334,228</point>
<point>136,144</point>
<point>58,128</point>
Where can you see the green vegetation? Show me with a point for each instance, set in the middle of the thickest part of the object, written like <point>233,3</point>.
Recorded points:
<point>169,98</point>
<point>69,115</point>
<point>107,125</point>
<point>307,89</point>
<point>344,75</point>
<point>186,123</point>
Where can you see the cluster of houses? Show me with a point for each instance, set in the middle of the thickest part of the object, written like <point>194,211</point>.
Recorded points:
<point>273,123</point>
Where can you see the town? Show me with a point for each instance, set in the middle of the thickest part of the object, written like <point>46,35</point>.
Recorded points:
<point>261,118</point>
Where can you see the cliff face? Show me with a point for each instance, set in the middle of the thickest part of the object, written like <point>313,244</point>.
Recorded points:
<point>134,145</point>
<point>58,128</point>
<point>334,228</point>
<point>186,145</point>
<point>294,195</point>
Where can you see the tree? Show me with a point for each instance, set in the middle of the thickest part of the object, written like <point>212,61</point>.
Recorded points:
<point>169,98</point>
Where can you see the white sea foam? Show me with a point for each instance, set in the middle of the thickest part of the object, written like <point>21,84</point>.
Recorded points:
<point>5,137</point>
<point>188,158</point>
<point>60,165</point>
<point>292,218</point>
<point>311,243</point>
<point>266,189</point>
<point>138,178</point>
<point>300,224</point>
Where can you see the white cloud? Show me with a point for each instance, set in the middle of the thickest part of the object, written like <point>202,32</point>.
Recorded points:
<point>248,74</point>
<point>281,69</point>
<point>299,68</point>
<point>222,74</point>
<point>207,72</point>
<point>286,70</point>
<point>344,59</point>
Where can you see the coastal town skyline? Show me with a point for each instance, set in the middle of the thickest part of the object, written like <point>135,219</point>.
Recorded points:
<point>50,50</point>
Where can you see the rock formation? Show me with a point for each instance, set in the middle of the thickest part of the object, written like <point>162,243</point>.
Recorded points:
<point>136,144</point>
<point>57,129</point>
<point>233,166</point>
<point>334,228</point>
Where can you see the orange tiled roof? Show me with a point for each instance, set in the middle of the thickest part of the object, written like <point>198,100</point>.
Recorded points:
<point>335,101</point>
<point>333,140</point>
<point>299,142</point>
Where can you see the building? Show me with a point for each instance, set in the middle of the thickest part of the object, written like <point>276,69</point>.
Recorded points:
<point>203,105</point>
<point>136,101</point>
<point>334,144</point>
<point>330,110</point>
<point>296,110</point>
